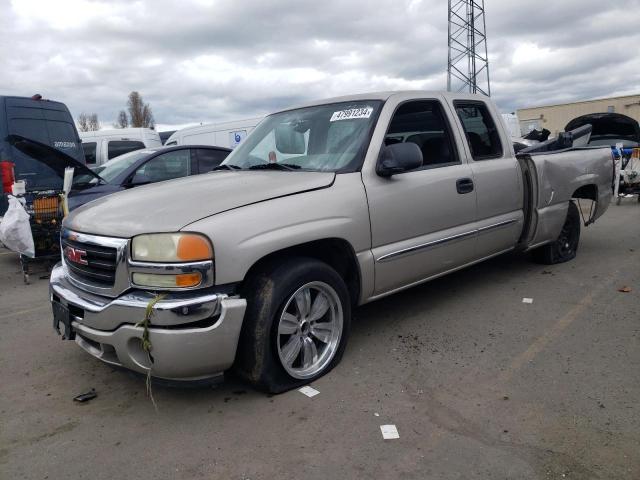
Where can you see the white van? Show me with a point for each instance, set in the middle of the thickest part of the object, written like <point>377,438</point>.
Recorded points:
<point>227,134</point>
<point>103,145</point>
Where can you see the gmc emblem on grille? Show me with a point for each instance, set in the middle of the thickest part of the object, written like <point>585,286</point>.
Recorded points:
<point>75,255</point>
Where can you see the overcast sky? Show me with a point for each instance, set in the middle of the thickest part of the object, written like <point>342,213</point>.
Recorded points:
<point>213,60</point>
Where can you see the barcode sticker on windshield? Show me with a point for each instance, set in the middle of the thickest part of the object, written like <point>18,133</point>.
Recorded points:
<point>351,113</point>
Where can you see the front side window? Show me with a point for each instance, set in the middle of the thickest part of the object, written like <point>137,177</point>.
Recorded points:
<point>480,129</point>
<point>89,152</point>
<point>323,138</point>
<point>120,147</point>
<point>423,122</point>
<point>167,166</point>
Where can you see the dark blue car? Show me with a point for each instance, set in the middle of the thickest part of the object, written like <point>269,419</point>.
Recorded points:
<point>146,166</point>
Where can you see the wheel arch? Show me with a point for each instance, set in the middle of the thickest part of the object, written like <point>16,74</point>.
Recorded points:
<point>338,253</point>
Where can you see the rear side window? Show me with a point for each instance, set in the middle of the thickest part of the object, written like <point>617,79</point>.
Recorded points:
<point>209,158</point>
<point>120,147</point>
<point>89,152</point>
<point>480,129</point>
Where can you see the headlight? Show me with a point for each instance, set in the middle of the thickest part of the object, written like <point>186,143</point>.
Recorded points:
<point>171,248</point>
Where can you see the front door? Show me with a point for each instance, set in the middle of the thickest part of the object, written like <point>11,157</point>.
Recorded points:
<point>422,220</point>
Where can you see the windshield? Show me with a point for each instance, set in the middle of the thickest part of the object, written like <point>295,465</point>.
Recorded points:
<point>324,138</point>
<point>115,167</point>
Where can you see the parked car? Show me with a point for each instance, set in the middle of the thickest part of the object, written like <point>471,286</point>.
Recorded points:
<point>227,134</point>
<point>44,121</point>
<point>149,165</point>
<point>322,208</point>
<point>102,145</point>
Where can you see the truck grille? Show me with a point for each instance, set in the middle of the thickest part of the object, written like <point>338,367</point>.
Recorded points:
<point>94,263</point>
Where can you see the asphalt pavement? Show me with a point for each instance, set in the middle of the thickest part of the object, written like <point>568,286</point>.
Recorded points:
<point>479,385</point>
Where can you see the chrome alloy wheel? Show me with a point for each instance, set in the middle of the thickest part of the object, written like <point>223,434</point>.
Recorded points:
<point>309,330</point>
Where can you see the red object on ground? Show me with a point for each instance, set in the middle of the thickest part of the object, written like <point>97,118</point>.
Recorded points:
<point>7,176</point>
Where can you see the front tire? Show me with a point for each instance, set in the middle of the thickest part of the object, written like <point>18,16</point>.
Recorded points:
<point>565,247</point>
<point>296,325</point>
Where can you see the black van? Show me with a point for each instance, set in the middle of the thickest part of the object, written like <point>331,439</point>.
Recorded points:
<point>44,121</point>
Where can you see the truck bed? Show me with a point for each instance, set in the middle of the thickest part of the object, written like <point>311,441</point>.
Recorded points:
<point>553,178</point>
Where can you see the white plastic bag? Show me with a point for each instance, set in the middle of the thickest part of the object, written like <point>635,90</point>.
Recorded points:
<point>15,231</point>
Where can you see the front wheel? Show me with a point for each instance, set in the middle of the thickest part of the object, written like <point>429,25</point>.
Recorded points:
<point>565,247</point>
<point>296,325</point>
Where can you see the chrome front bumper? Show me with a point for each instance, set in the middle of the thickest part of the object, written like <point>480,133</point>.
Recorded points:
<point>194,335</point>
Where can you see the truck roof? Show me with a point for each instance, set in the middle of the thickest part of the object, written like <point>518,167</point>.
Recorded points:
<point>386,95</point>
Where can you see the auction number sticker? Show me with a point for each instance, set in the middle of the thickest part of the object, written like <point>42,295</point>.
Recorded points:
<point>351,113</point>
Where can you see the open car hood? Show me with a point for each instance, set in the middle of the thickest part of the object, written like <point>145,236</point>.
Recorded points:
<point>613,125</point>
<point>51,157</point>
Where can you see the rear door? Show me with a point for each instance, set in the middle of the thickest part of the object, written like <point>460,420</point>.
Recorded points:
<point>497,178</point>
<point>421,220</point>
<point>46,122</point>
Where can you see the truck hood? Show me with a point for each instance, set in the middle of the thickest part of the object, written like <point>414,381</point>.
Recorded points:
<point>608,125</point>
<point>170,206</point>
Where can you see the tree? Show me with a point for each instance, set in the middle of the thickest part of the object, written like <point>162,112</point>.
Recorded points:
<point>88,123</point>
<point>94,123</point>
<point>83,122</point>
<point>139,112</point>
<point>122,121</point>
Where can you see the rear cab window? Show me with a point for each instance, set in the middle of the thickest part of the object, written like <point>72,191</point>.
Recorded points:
<point>480,129</point>
<point>120,147</point>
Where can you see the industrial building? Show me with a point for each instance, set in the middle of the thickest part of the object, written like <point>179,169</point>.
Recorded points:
<point>555,117</point>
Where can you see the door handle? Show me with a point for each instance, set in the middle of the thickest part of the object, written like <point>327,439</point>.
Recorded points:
<point>464,185</point>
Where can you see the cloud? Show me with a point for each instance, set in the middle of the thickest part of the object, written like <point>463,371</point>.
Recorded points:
<point>214,60</point>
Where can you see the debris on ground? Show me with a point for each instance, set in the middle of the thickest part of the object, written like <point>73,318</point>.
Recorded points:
<point>309,391</point>
<point>389,432</point>
<point>85,397</point>
<point>624,289</point>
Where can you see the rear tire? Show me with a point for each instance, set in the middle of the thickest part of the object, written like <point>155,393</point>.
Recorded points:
<point>565,247</point>
<point>296,325</point>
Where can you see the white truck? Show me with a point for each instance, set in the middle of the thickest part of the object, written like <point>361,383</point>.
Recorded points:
<point>225,134</point>
<point>102,145</point>
<point>322,208</point>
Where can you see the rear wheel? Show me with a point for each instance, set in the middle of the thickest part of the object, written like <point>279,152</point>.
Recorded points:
<point>565,247</point>
<point>296,326</point>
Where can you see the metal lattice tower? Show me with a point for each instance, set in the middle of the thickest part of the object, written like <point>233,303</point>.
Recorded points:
<point>468,66</point>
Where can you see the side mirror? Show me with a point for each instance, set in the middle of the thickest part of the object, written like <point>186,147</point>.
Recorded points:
<point>139,179</point>
<point>289,140</point>
<point>398,158</point>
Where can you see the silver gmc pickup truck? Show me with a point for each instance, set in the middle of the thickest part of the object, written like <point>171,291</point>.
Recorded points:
<point>259,265</point>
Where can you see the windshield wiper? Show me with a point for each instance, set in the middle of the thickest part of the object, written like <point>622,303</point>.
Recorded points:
<point>226,167</point>
<point>274,166</point>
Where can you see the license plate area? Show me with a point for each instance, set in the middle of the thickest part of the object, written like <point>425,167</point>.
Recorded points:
<point>62,321</point>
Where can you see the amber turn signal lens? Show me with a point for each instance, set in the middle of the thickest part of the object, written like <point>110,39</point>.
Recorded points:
<point>188,279</point>
<point>193,247</point>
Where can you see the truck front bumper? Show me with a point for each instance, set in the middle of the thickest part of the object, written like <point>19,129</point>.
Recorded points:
<point>194,336</point>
